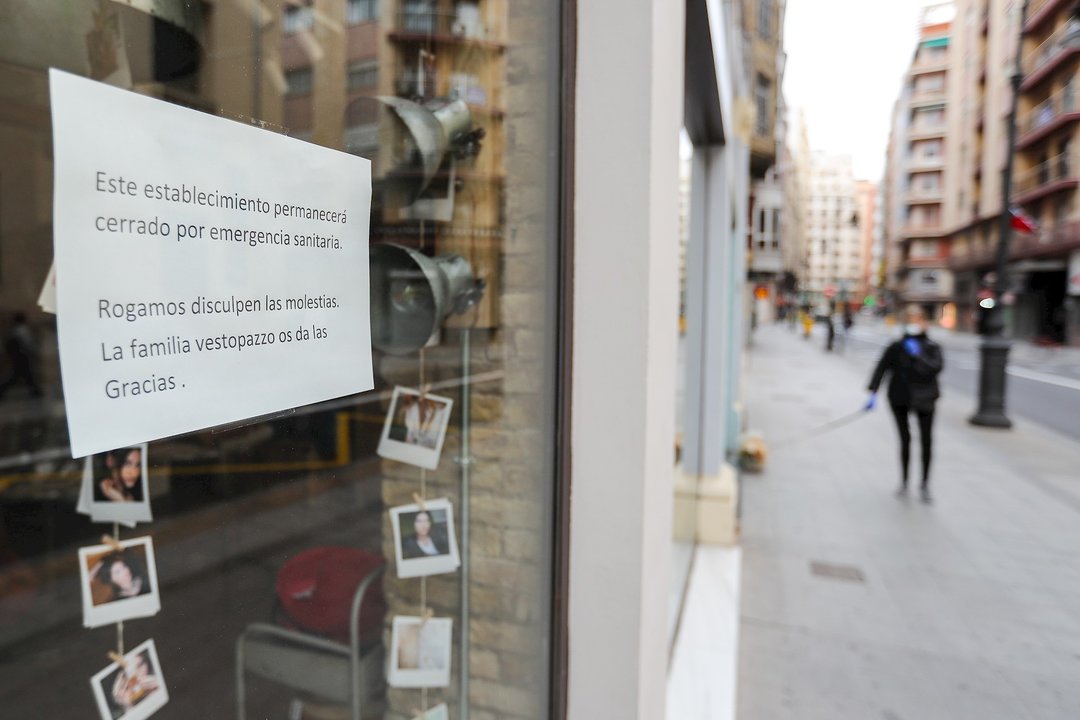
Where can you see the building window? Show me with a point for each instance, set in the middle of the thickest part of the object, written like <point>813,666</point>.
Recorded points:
<point>299,82</point>
<point>298,18</point>
<point>924,249</point>
<point>765,19</point>
<point>419,16</point>
<point>359,11</point>
<point>363,74</point>
<point>761,98</point>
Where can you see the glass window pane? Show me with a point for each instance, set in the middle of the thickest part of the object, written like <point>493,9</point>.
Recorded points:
<point>263,533</point>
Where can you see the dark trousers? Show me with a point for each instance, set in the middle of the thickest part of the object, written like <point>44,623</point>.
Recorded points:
<point>926,425</point>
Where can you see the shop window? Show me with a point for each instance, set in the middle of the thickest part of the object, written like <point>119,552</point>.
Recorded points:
<point>264,532</point>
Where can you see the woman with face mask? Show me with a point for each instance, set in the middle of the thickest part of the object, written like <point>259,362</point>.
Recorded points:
<point>913,363</point>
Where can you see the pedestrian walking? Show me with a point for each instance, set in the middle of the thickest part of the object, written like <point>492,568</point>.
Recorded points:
<point>913,363</point>
<point>21,350</point>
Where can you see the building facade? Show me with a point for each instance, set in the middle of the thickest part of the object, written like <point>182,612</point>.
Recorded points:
<point>866,193</point>
<point>834,249</point>
<point>1042,299</point>
<point>923,149</point>
<point>763,22</point>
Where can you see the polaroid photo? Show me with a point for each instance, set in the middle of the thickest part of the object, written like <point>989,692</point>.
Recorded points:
<point>47,297</point>
<point>439,712</point>
<point>134,691</point>
<point>415,428</point>
<point>118,584</point>
<point>86,495</point>
<point>420,652</point>
<point>424,540</point>
<point>119,485</point>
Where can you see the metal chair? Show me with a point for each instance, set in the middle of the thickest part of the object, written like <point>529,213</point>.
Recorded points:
<point>319,667</point>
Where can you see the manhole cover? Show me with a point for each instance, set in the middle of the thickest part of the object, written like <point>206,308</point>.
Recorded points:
<point>836,572</point>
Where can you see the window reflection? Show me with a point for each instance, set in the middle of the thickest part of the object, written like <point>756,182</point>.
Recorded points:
<point>266,532</point>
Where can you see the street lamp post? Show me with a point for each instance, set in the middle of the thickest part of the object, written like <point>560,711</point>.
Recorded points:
<point>994,348</point>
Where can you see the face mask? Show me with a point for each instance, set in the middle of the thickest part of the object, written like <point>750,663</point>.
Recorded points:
<point>913,329</point>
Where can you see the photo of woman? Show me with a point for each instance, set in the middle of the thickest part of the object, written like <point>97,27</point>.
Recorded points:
<point>424,542</point>
<point>133,689</point>
<point>115,486</point>
<point>119,575</point>
<point>119,581</point>
<point>118,475</point>
<point>130,686</point>
<point>415,427</point>
<point>421,541</point>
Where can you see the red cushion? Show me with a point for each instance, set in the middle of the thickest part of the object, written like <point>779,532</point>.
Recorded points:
<point>316,588</point>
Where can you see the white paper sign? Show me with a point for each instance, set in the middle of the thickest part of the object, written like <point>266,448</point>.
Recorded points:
<point>206,271</point>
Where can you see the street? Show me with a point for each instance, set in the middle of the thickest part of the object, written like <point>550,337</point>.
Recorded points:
<point>858,604</point>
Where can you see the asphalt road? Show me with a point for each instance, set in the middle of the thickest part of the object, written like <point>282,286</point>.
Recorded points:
<point>1047,393</point>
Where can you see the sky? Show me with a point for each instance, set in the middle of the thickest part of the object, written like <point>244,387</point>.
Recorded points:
<point>845,63</point>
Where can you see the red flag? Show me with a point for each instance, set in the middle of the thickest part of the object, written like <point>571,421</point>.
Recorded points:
<point>1023,222</point>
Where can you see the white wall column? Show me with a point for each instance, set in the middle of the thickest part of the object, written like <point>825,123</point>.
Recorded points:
<point>627,120</point>
<point>708,336</point>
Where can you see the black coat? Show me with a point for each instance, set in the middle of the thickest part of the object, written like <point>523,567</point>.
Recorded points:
<point>913,381</point>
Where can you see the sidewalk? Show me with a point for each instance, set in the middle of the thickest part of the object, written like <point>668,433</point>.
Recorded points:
<point>859,605</point>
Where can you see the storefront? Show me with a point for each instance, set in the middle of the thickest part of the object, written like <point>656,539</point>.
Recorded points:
<point>368,511</point>
<point>339,558</point>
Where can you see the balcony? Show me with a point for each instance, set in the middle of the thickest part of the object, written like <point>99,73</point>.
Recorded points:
<point>1056,49</point>
<point>1055,175</point>
<point>929,66</point>
<point>922,98</point>
<point>1058,240</point>
<point>926,131</point>
<point>1039,11</point>
<point>923,196</point>
<point>916,231</point>
<point>450,28</point>
<point>925,162</point>
<point>933,261</point>
<point>1058,110</point>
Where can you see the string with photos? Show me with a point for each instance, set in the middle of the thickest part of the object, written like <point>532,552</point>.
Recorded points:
<point>419,499</point>
<point>113,541</point>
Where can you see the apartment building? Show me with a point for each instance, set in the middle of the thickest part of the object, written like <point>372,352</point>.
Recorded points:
<point>916,175</point>
<point>834,252</point>
<point>1043,297</point>
<point>763,22</point>
<point>985,45</point>
<point>866,203</point>
<point>1043,301</point>
<point>1045,265</point>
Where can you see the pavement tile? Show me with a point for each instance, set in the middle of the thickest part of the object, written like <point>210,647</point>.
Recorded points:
<point>968,608</point>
